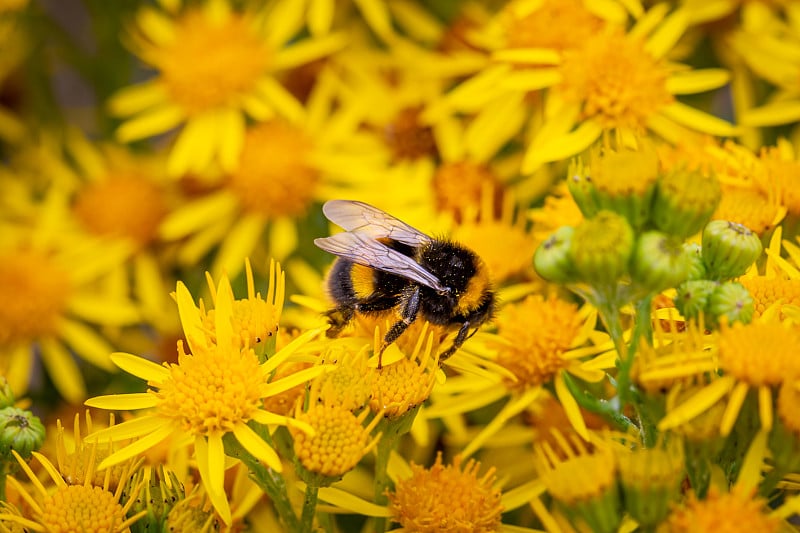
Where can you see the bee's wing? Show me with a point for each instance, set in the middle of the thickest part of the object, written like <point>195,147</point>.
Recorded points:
<point>365,219</point>
<point>362,249</point>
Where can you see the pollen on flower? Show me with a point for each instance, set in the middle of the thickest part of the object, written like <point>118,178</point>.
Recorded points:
<point>620,84</point>
<point>737,510</point>
<point>82,508</point>
<point>279,181</point>
<point>760,353</point>
<point>35,293</point>
<point>543,26</point>
<point>408,138</point>
<point>339,441</point>
<point>225,72</point>
<point>534,355</point>
<point>768,291</point>
<point>450,498</point>
<point>104,208</point>
<point>208,392</point>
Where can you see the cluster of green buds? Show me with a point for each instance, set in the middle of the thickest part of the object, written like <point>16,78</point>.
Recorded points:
<point>728,250</point>
<point>637,220</point>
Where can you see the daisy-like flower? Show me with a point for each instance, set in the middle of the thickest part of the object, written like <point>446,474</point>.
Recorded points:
<point>755,356</point>
<point>451,497</point>
<point>48,276</point>
<point>737,510</point>
<point>213,391</point>
<point>80,507</point>
<point>314,155</point>
<point>616,80</point>
<point>779,284</point>
<point>242,52</point>
<point>529,358</point>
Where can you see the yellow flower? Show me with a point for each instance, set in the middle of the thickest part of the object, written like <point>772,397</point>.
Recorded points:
<point>241,51</point>
<point>451,498</point>
<point>48,276</point>
<point>737,510</point>
<point>81,507</point>
<point>212,392</point>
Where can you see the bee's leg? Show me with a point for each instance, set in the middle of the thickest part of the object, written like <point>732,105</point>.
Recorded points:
<point>462,335</point>
<point>408,313</point>
<point>338,318</point>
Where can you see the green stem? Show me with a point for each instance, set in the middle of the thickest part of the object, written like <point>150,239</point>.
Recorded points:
<point>3,476</point>
<point>309,509</point>
<point>385,447</point>
<point>591,403</point>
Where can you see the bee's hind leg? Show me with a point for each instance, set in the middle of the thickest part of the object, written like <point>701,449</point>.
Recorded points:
<point>462,335</point>
<point>408,313</point>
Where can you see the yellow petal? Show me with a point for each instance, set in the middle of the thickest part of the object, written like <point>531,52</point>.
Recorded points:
<point>101,310</point>
<point>62,369</point>
<point>281,100</point>
<point>509,410</point>
<point>196,145</point>
<point>137,98</point>
<point>733,408</point>
<point>320,16</point>
<point>351,502</point>
<point>256,446</point>
<point>151,122</point>
<point>292,380</point>
<point>668,33</point>
<point>289,349</point>
<point>309,50</point>
<point>140,367</point>
<point>130,429</point>
<point>211,464</point>
<point>271,419</point>
<point>750,474</point>
<point>699,120</point>
<point>772,114</point>
<point>85,341</point>
<point>571,408</point>
<point>137,447</point>
<point>197,214</point>
<point>232,122</point>
<point>561,147</point>
<point>697,404</point>
<point>528,56</point>
<point>697,81</point>
<point>123,402</point>
<point>239,242</point>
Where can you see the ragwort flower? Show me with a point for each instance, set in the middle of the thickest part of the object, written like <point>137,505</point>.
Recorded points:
<point>213,391</point>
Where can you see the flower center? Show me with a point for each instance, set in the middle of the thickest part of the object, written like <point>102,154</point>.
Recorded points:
<point>275,176</point>
<point>338,443</point>
<point>767,291</point>
<point>400,387</point>
<point>104,208</point>
<point>543,27</point>
<point>35,293</point>
<point>760,353</point>
<point>747,206</point>
<point>460,184</point>
<point>211,391</point>
<point>408,138</point>
<point>81,508</point>
<point>534,355</point>
<point>734,511</point>
<point>212,62</point>
<point>447,498</point>
<point>619,83</point>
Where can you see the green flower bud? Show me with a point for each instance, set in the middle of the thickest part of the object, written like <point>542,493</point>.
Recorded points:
<point>625,182</point>
<point>694,256</point>
<point>684,202</point>
<point>659,261</point>
<point>552,259</point>
<point>6,394</point>
<point>693,297</point>
<point>650,479</point>
<point>729,249</point>
<point>19,431</point>
<point>601,248</point>
<point>732,301</point>
<point>157,496</point>
<point>581,187</point>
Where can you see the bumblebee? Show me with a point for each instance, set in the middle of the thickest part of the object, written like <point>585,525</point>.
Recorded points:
<point>384,264</point>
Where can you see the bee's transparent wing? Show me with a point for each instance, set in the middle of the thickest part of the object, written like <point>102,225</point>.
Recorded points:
<point>368,220</point>
<point>360,248</point>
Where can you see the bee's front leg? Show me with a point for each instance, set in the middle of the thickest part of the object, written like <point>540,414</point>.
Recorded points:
<point>409,307</point>
<point>462,335</point>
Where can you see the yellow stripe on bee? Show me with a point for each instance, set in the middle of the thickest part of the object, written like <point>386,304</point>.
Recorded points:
<point>363,279</point>
<point>474,294</point>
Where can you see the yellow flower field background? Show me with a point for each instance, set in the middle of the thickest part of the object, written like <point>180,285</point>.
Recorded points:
<point>626,173</point>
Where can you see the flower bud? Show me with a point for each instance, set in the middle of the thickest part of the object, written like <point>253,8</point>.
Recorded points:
<point>729,249</point>
<point>684,202</point>
<point>601,248</point>
<point>625,182</point>
<point>694,256</point>
<point>157,496</point>
<point>552,259</point>
<point>732,301</point>
<point>581,187</point>
<point>19,431</point>
<point>693,297</point>
<point>6,394</point>
<point>659,261</point>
